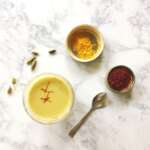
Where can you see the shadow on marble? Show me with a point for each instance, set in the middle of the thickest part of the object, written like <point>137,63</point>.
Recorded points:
<point>90,67</point>
<point>79,110</point>
<point>125,98</point>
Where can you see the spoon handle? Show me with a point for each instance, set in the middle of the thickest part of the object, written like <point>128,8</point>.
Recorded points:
<point>74,130</point>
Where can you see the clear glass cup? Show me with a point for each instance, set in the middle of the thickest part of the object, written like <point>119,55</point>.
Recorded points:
<point>127,89</point>
<point>35,116</point>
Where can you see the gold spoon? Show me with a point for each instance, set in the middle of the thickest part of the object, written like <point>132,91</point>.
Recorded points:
<point>98,102</point>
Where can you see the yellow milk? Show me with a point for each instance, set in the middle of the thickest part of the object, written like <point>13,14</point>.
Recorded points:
<point>48,98</point>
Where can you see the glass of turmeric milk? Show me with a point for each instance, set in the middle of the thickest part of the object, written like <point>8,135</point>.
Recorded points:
<point>48,98</point>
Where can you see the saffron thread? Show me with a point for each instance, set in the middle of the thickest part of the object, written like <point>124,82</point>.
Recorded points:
<point>47,93</point>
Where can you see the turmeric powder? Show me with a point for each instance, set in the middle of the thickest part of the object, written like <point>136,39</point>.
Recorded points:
<point>84,45</point>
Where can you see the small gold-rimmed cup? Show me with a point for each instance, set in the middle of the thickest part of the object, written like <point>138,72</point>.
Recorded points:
<point>92,30</point>
<point>130,86</point>
<point>32,114</point>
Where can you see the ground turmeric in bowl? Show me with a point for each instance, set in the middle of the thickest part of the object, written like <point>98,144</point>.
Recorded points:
<point>84,45</point>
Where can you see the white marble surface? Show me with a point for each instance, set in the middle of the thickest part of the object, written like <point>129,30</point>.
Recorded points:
<point>43,24</point>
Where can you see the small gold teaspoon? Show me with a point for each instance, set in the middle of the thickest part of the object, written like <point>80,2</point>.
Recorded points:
<point>98,102</point>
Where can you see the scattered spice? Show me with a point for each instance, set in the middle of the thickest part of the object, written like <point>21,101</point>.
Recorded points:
<point>31,60</point>
<point>14,81</point>
<point>12,86</point>
<point>120,78</point>
<point>84,44</point>
<point>9,91</point>
<point>52,51</point>
<point>34,65</point>
<point>35,53</point>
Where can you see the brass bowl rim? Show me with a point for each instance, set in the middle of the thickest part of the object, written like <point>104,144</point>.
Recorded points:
<point>99,50</point>
<point>124,91</point>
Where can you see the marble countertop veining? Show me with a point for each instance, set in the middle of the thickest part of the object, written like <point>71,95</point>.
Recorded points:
<point>44,24</point>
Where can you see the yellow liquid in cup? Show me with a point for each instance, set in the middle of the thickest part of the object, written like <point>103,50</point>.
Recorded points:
<point>48,98</point>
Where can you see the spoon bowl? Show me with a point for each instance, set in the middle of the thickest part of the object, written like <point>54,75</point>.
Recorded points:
<point>99,101</point>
